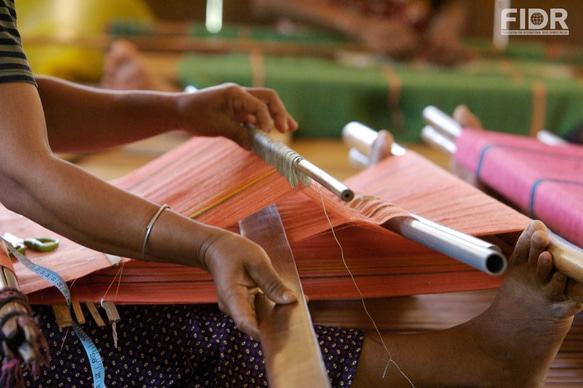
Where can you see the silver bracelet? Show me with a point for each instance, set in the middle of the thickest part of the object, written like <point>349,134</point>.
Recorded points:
<point>149,229</point>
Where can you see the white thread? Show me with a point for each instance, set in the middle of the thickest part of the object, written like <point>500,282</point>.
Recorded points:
<point>117,275</point>
<point>390,361</point>
<point>279,156</point>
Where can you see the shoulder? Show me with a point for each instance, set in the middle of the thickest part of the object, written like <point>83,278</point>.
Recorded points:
<point>14,65</point>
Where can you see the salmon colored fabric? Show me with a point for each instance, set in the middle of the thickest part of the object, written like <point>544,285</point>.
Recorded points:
<point>5,260</point>
<point>199,180</point>
<point>544,181</point>
<point>70,260</point>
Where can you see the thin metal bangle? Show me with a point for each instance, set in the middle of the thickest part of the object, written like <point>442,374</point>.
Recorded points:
<point>149,229</point>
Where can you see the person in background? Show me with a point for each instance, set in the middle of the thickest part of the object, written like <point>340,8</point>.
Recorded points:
<point>401,29</point>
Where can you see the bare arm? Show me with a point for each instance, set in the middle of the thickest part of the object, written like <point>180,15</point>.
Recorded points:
<point>77,205</point>
<point>81,118</point>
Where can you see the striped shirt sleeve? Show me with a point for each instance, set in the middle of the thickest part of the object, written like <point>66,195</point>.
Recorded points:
<point>14,66</point>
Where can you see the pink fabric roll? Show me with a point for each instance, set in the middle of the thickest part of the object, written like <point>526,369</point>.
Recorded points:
<point>544,181</point>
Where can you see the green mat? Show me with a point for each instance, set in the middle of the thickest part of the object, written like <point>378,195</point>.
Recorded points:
<point>324,95</point>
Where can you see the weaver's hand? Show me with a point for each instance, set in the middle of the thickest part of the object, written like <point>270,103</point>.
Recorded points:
<point>239,268</point>
<point>220,111</point>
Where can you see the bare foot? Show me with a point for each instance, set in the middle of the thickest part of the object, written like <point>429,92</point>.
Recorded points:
<point>512,344</point>
<point>126,69</point>
<point>531,315</point>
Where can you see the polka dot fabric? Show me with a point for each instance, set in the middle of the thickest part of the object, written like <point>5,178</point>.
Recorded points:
<point>177,346</point>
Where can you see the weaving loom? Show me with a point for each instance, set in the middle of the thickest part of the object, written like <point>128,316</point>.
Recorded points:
<point>513,168</point>
<point>390,264</point>
<point>384,263</point>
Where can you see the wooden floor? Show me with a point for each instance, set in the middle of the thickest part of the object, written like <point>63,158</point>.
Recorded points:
<point>403,314</point>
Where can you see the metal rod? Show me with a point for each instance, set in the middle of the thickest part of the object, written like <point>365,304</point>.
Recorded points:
<point>359,136</point>
<point>442,122</point>
<point>469,238</point>
<point>278,154</point>
<point>549,138</point>
<point>490,261</point>
<point>435,138</point>
<point>567,257</point>
<point>465,248</point>
<point>322,177</point>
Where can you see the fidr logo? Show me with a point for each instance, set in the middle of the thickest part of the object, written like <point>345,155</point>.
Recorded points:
<point>533,21</point>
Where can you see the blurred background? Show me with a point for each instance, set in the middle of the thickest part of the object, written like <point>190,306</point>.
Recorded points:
<point>523,85</point>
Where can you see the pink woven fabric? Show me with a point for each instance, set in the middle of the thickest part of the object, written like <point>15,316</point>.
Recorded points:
<point>546,182</point>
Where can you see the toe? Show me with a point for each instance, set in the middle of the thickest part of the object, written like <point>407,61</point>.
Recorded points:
<point>544,267</point>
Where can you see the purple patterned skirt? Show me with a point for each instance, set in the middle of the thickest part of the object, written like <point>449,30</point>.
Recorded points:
<point>177,346</point>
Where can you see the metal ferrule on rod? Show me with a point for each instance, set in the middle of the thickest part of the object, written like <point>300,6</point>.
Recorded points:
<point>322,177</point>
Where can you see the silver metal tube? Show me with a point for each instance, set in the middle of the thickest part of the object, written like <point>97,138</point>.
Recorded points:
<point>442,122</point>
<point>359,136</point>
<point>549,138</point>
<point>567,257</point>
<point>464,236</point>
<point>322,177</point>
<point>357,160</point>
<point>487,260</point>
<point>437,139</point>
<point>277,154</point>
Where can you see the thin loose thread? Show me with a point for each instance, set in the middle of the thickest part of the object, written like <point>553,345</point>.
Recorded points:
<point>114,324</point>
<point>390,360</point>
<point>117,277</point>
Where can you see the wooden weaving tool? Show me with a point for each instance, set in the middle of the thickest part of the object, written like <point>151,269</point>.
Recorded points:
<point>443,131</point>
<point>287,333</point>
